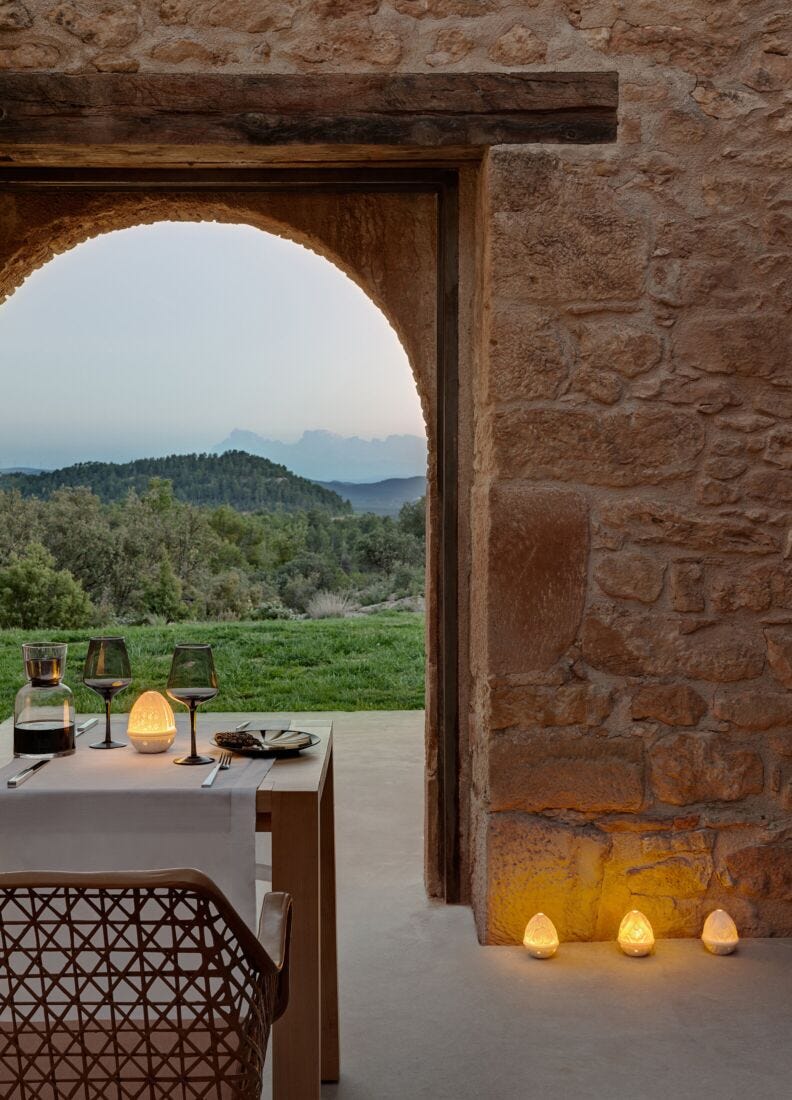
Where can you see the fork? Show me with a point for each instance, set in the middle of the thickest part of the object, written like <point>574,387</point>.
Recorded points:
<point>222,765</point>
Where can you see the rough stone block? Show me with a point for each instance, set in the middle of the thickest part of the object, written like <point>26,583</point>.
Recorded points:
<point>686,583</point>
<point>534,864</point>
<point>762,870</point>
<point>649,521</point>
<point>664,874</point>
<point>561,771</point>
<point>724,343</point>
<point>529,355</point>
<point>631,575</point>
<point>754,709</point>
<point>672,704</point>
<point>619,448</point>
<point>738,588</point>
<point>537,565</point>
<point>628,644</point>
<point>559,237</point>
<point>773,486</point>
<point>611,345</point>
<point>779,655</point>
<point>693,767</point>
<point>522,706</point>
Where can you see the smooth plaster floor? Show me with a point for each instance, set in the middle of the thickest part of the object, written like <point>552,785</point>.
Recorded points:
<point>428,1013</point>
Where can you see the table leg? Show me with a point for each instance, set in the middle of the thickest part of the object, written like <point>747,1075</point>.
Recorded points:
<point>296,1047</point>
<point>330,1057</point>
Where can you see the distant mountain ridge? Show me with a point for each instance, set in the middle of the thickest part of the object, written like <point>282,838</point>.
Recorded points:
<point>324,456</point>
<point>247,482</point>
<point>384,498</point>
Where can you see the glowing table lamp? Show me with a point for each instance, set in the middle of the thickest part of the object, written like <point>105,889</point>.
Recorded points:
<point>636,937</point>
<point>152,726</point>
<point>720,933</point>
<point>541,938</point>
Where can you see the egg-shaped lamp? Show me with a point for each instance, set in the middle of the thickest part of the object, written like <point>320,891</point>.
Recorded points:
<point>636,937</point>
<point>541,938</point>
<point>720,933</point>
<point>151,726</point>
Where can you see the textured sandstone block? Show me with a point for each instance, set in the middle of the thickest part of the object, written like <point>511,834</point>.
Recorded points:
<point>762,870</point>
<point>664,873</point>
<point>31,55</point>
<point>598,385</point>
<point>742,588</point>
<point>14,16</point>
<point>523,706</point>
<point>529,355</point>
<point>779,655</point>
<point>591,255</point>
<point>536,574</point>
<point>694,47</point>
<point>751,346</point>
<point>773,486</point>
<point>108,28</point>
<point>673,704</point>
<point>612,345</point>
<point>560,237</point>
<point>563,771</point>
<point>630,644</point>
<point>754,709</point>
<point>648,521</point>
<point>449,47</point>
<point>631,575</point>
<point>534,865</point>
<point>781,587</point>
<point>519,45</point>
<point>695,767</point>
<point>620,448</point>
<point>686,583</point>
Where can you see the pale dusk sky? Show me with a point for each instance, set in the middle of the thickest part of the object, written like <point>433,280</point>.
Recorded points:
<point>164,338</point>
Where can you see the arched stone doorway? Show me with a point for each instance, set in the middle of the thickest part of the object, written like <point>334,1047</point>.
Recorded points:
<point>387,242</point>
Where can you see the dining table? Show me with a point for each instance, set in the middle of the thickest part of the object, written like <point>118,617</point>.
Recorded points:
<point>295,803</point>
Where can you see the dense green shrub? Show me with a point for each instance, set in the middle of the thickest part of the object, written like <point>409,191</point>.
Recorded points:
<point>33,593</point>
<point>153,556</point>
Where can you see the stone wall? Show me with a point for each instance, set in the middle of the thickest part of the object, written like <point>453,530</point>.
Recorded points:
<point>631,585</point>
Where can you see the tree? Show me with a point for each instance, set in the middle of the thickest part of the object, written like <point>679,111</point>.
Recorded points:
<point>34,594</point>
<point>163,594</point>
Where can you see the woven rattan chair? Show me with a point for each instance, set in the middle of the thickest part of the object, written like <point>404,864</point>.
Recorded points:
<point>145,985</point>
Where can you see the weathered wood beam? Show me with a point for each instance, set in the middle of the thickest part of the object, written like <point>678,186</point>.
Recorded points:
<point>420,110</point>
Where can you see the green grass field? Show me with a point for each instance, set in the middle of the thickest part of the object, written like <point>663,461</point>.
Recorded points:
<point>370,663</point>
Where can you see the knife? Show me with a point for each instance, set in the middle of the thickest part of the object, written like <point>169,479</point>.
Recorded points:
<point>86,726</point>
<point>18,779</point>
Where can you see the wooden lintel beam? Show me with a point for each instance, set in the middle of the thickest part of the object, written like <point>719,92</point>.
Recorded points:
<point>418,110</point>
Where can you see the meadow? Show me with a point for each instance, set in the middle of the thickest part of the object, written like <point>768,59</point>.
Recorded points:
<point>375,662</point>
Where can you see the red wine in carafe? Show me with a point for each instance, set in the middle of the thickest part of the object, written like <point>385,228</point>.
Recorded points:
<point>43,739</point>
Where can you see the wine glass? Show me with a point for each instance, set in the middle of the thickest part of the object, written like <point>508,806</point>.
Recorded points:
<point>107,671</point>
<point>192,681</point>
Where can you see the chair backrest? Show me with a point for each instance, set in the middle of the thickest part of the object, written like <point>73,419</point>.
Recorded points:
<point>131,985</point>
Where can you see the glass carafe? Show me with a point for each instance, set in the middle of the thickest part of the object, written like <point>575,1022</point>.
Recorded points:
<point>44,707</point>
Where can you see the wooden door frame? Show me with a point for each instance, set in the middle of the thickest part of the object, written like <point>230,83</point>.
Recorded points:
<point>443,184</point>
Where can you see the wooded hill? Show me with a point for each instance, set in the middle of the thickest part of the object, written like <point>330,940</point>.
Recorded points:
<point>246,482</point>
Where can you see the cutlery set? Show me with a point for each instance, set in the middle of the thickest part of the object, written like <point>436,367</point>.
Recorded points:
<point>222,765</point>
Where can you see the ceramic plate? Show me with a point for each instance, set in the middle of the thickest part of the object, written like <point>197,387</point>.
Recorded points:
<point>271,749</point>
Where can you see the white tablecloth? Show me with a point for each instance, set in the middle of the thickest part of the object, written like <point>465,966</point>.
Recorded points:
<point>122,810</point>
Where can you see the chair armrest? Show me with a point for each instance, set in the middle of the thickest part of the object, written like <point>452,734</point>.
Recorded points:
<point>274,934</point>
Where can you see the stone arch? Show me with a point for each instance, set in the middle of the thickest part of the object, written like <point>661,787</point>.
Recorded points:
<point>358,234</point>
<point>387,243</point>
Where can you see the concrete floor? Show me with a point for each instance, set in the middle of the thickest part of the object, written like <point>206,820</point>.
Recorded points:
<point>428,1013</point>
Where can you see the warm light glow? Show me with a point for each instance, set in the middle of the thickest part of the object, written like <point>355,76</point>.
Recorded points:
<point>635,934</point>
<point>541,938</point>
<point>720,933</point>
<point>152,726</point>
